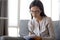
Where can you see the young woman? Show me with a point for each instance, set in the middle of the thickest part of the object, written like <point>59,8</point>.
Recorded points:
<point>40,26</point>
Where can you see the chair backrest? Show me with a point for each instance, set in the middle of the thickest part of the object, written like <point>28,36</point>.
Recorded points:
<point>24,28</point>
<point>57,29</point>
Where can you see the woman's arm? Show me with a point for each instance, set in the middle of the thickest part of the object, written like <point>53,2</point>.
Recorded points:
<point>31,33</point>
<point>31,28</point>
<point>51,31</point>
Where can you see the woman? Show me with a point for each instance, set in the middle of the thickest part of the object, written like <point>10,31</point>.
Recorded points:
<point>40,26</point>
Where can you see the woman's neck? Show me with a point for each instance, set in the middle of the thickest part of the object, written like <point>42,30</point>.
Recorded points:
<point>39,19</point>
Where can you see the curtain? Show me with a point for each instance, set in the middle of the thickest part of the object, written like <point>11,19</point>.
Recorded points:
<point>3,18</point>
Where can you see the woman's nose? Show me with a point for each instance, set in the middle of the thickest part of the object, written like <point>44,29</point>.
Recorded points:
<point>34,15</point>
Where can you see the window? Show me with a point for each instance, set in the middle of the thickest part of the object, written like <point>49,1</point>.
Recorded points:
<point>55,10</point>
<point>24,9</point>
<point>51,8</point>
<point>13,18</point>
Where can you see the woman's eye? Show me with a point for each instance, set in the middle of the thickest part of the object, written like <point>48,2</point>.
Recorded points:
<point>34,11</point>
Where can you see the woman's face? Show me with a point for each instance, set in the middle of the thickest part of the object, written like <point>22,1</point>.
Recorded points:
<point>35,11</point>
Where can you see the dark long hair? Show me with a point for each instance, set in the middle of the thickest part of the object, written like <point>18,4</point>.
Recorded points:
<point>39,4</point>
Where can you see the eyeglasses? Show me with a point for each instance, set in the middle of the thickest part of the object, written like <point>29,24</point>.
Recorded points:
<point>35,11</point>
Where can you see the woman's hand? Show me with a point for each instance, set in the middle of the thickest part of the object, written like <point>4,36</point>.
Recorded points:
<point>37,38</point>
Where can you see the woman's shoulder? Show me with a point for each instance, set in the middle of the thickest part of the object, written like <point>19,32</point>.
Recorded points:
<point>31,21</point>
<point>48,18</point>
